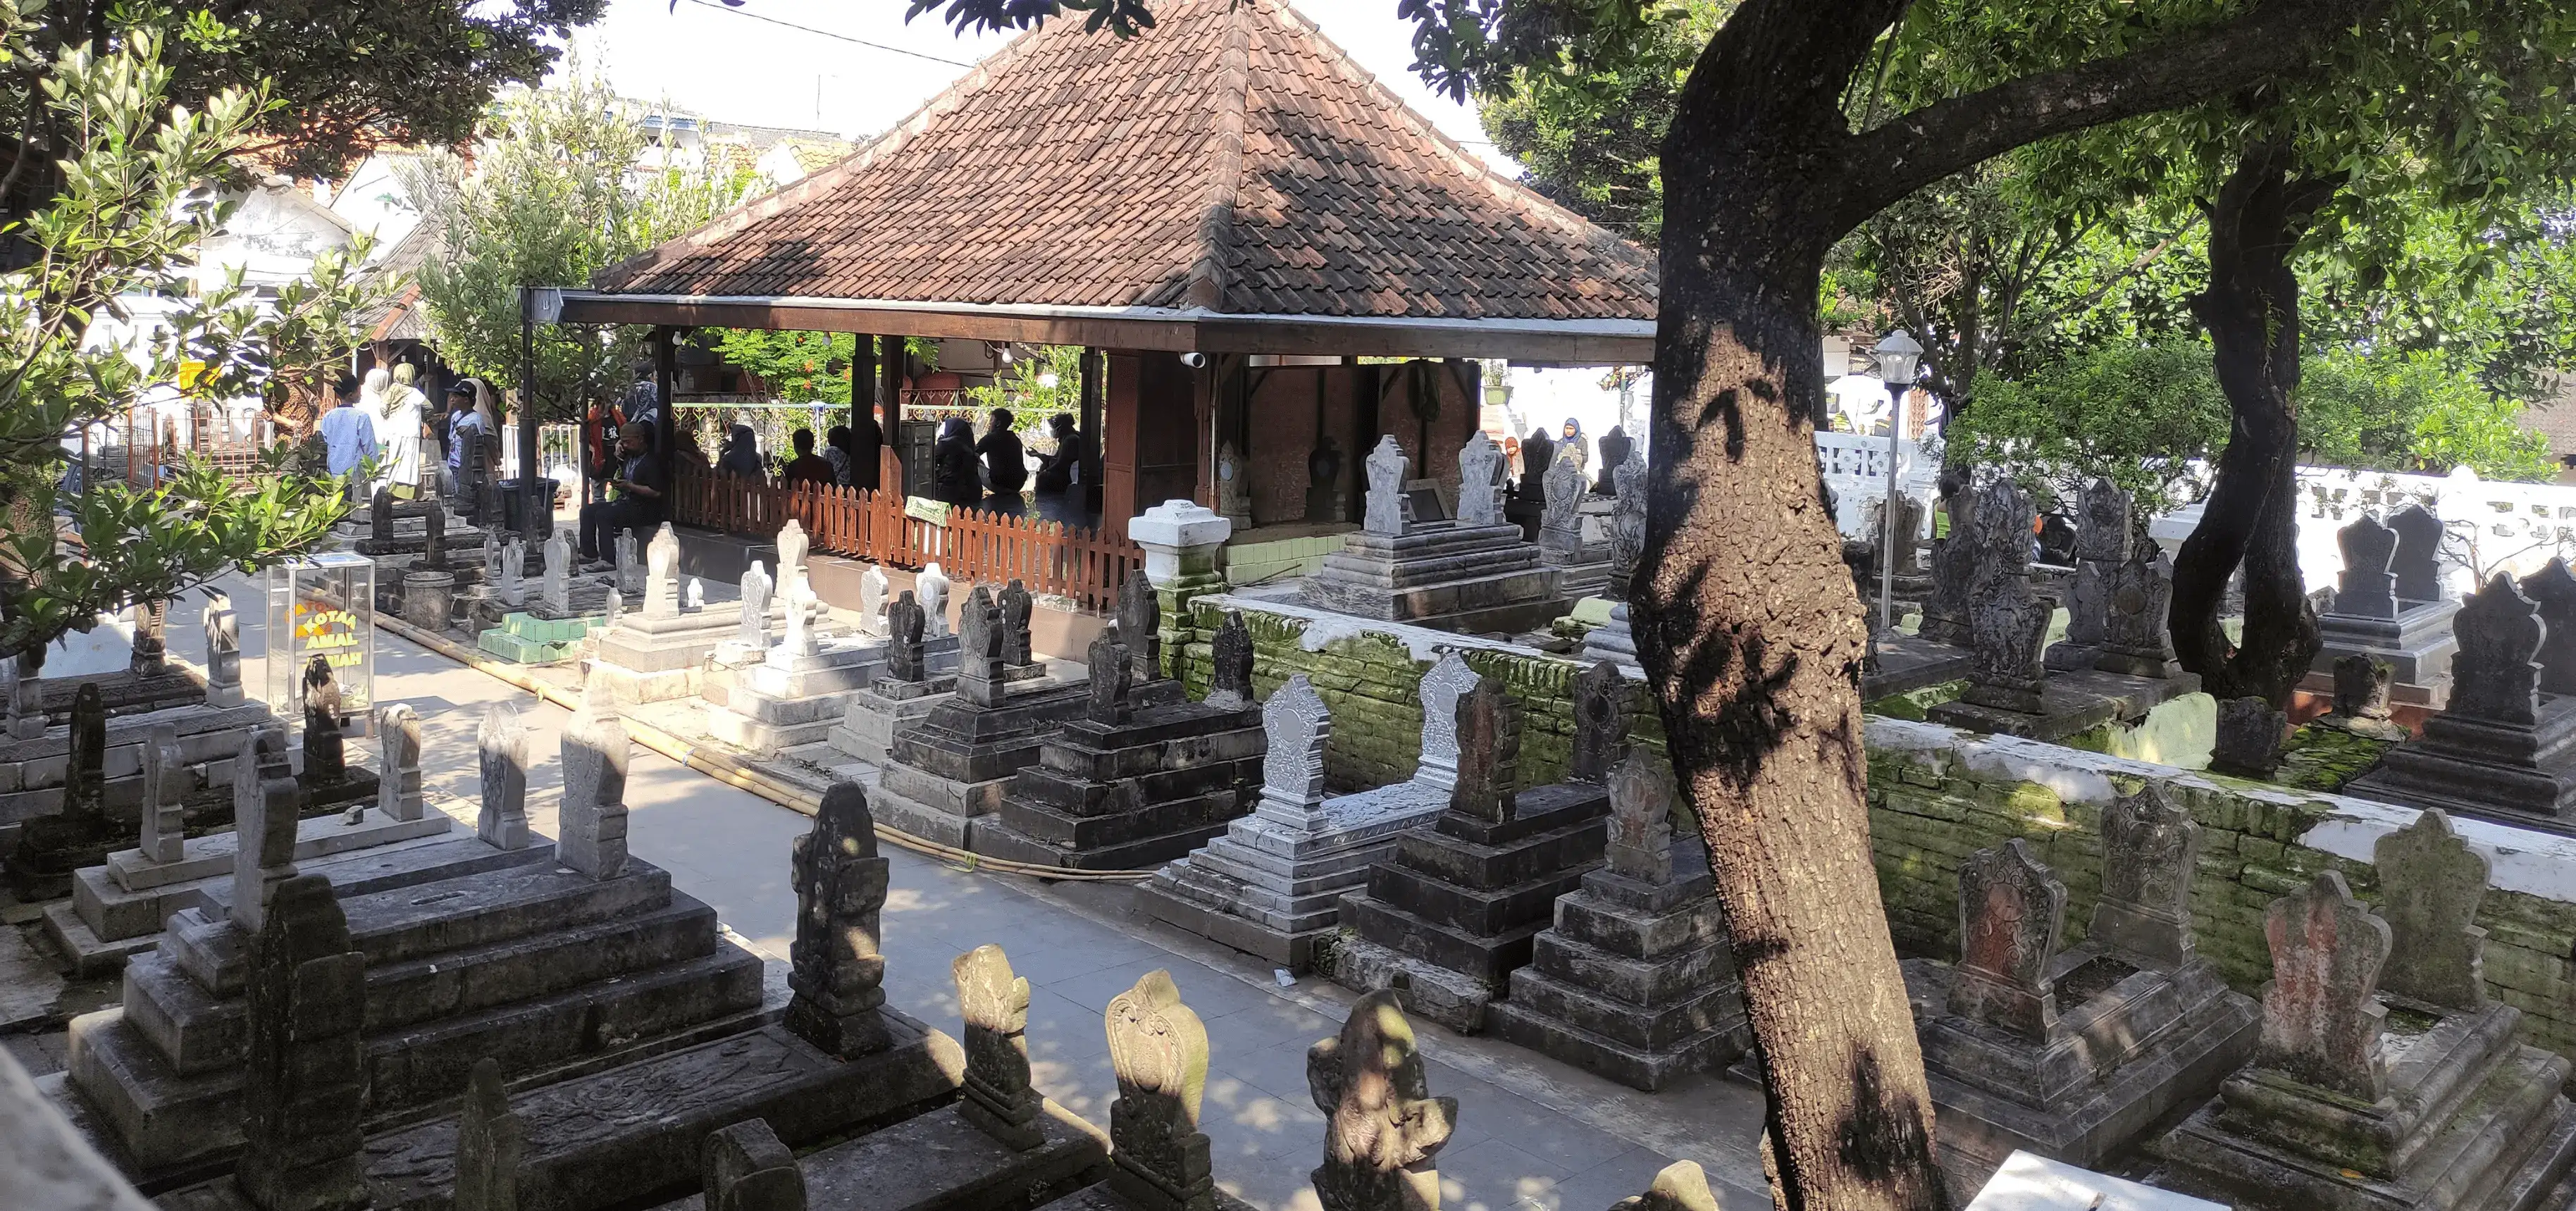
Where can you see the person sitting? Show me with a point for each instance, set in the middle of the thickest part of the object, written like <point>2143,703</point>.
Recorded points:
<point>1057,471</point>
<point>807,467</point>
<point>741,456</point>
<point>1006,464</point>
<point>867,450</point>
<point>836,451</point>
<point>637,500</point>
<point>952,465</point>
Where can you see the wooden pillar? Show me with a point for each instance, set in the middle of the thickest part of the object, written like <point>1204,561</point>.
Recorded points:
<point>1116,447</point>
<point>863,379</point>
<point>891,362</point>
<point>1094,393</point>
<point>666,373</point>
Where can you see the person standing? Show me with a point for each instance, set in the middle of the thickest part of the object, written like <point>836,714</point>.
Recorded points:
<point>867,451</point>
<point>348,436</point>
<point>953,476</point>
<point>1006,464</point>
<point>637,500</point>
<point>741,456</point>
<point>399,428</point>
<point>836,451</point>
<point>464,430</point>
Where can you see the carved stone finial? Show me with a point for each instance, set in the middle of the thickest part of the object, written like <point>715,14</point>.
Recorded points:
<point>1383,1126</point>
<point>1600,722</point>
<point>1159,1050</point>
<point>837,967</point>
<point>995,1006</point>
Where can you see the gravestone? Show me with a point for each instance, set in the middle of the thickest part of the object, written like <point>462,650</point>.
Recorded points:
<point>503,743</point>
<point>1230,664</point>
<point>1954,567</point>
<point>994,1004</point>
<point>50,847</point>
<point>165,781</point>
<point>151,647</point>
<point>1560,529</point>
<point>2553,589</point>
<point>591,830</point>
<point>2321,1017</point>
<point>793,546</point>
<point>2496,676</point>
<point>2011,910</point>
<point>2007,624</point>
<point>325,753</point>
<point>662,574</point>
<point>1600,722</point>
<point>2367,588</point>
<point>979,649</point>
<point>931,589</point>
<point>630,565</point>
<point>1233,486</point>
<point>2137,640</point>
<point>1634,980</point>
<point>612,609</point>
<point>2360,688</point>
<point>1388,514</point>
<point>23,698</point>
<point>753,633</point>
<point>490,1140</point>
<point>2101,549</point>
<point>2430,884</point>
<point>747,1168</point>
<point>558,582</point>
<point>872,600</point>
<point>1158,1050</point>
<point>1140,624</point>
<point>2150,850</point>
<point>1382,1126</point>
<point>2417,562</point>
<point>397,764</point>
<point>1019,647</point>
<point>2249,737</point>
<point>1481,476</point>
<point>905,623</point>
<point>695,598</point>
<point>1109,679</point>
<point>223,652</point>
<point>2502,750</point>
<point>513,589</point>
<point>264,823</point>
<point>838,968</point>
<point>1628,523</point>
<point>1457,908</point>
<point>304,1089</point>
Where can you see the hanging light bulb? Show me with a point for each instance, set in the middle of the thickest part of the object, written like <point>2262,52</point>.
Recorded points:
<point>1048,379</point>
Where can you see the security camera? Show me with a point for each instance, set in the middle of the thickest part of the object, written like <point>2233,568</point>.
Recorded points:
<point>1194,360</point>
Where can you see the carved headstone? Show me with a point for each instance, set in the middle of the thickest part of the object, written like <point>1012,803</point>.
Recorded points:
<point>1440,690</point>
<point>1230,664</point>
<point>2249,737</point>
<point>1480,481</point>
<point>2367,589</point>
<point>2361,687</point>
<point>1628,520</point>
<point>696,597</point>
<point>264,798</point>
<point>931,588</point>
<point>304,1085</point>
<point>85,767</point>
<point>872,600</point>
<point>2011,911</point>
<point>837,967</point>
<point>793,545</point>
<point>746,1168</point>
<point>1297,727</point>
<point>1600,722</point>
<point>1019,646</point>
<point>591,828</point>
<point>1489,753</point>
<point>2101,547</point>
<point>514,569</point>
<point>2495,676</point>
<point>753,631</point>
<point>1909,535</point>
<point>994,1004</point>
<point>661,574</point>
<point>2553,589</point>
<point>2150,849</point>
<point>613,609</point>
<point>398,793</point>
<point>489,1143</point>
<point>151,648</point>
<point>2007,623</point>
<point>490,550</point>
<point>2321,1012</point>
<point>630,565</point>
<point>433,549</point>
<point>2417,563</point>
<point>1111,679</point>
<point>1233,485</point>
<point>165,778</point>
<point>1641,818</point>
<point>1158,1050</point>
<point>558,584</point>
<point>2136,639</point>
<point>904,624</point>
<point>1382,1126</point>
<point>979,648</point>
<point>2430,885</point>
<point>326,759</point>
<point>503,743</point>
<point>1954,567</point>
<point>1388,512</point>
<point>797,642</point>
<point>380,515</point>
<point>1140,624</point>
<point>1560,527</point>
<point>2105,533</point>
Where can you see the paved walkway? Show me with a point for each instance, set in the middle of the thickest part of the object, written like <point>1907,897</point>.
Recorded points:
<point>1533,1134</point>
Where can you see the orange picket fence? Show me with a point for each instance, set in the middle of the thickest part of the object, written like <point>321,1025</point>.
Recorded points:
<point>1048,557</point>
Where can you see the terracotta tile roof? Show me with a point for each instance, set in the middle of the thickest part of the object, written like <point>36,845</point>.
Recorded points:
<point>1230,158</point>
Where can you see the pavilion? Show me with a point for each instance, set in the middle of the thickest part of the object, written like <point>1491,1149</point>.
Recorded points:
<point>1224,211</point>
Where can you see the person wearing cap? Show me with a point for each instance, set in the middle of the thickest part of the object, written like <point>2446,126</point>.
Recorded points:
<point>637,497</point>
<point>464,428</point>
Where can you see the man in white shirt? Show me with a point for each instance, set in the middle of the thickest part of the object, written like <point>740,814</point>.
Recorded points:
<point>348,433</point>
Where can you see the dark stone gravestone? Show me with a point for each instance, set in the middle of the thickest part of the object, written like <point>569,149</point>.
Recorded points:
<point>2502,750</point>
<point>2249,738</point>
<point>837,969</point>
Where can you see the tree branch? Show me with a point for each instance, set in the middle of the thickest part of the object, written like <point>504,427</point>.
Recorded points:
<point>1887,162</point>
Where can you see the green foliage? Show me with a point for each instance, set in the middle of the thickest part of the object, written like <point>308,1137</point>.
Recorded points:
<point>321,320</point>
<point>553,195</point>
<point>138,193</point>
<point>1026,391</point>
<point>2414,412</point>
<point>2133,414</point>
<point>798,367</point>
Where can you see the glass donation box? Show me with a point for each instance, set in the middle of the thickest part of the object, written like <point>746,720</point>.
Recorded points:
<point>322,630</point>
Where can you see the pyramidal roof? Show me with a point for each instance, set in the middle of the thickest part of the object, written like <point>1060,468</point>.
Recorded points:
<point>1229,160</point>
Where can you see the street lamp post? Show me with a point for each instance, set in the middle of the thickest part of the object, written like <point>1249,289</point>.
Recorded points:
<point>1897,356</point>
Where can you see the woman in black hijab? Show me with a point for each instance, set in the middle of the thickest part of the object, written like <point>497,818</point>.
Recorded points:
<point>741,457</point>
<point>953,475</point>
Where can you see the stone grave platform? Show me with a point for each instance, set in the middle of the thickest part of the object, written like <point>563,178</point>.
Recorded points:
<point>2417,645</point>
<point>646,659</point>
<point>32,770</point>
<point>1448,577</point>
<point>472,950</point>
<point>879,713</point>
<point>2071,703</point>
<point>123,692</point>
<point>1906,664</point>
<point>952,769</point>
<point>1634,980</point>
<point>785,701</point>
<point>2504,749</point>
<point>526,638</point>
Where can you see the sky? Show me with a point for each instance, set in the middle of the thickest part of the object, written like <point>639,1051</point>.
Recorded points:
<point>731,65</point>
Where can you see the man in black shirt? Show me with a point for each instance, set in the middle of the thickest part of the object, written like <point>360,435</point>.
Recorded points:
<point>637,498</point>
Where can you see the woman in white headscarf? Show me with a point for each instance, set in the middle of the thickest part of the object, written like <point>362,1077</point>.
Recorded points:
<point>397,409</point>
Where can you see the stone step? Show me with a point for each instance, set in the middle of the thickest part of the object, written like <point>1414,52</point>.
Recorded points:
<point>198,1032</point>
<point>1000,839</point>
<point>1477,911</point>
<point>1121,812</point>
<point>941,1162</point>
<point>1611,939</point>
<point>1075,795</point>
<point>495,906</point>
<point>1487,958</point>
<point>623,1136</point>
<point>1576,847</point>
<point>1163,738</point>
<point>1637,1067</point>
<point>167,1118</point>
<point>1714,1003</point>
<point>1189,912</point>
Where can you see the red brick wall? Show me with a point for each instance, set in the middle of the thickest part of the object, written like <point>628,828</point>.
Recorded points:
<point>1282,411</point>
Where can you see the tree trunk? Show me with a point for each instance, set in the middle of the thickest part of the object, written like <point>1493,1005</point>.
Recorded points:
<point>2251,520</point>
